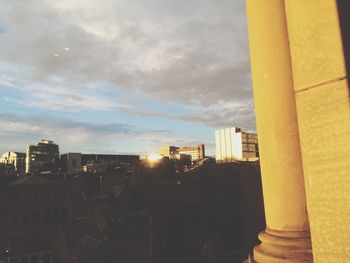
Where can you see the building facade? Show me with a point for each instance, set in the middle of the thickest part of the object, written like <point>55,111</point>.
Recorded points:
<point>235,144</point>
<point>168,151</point>
<point>41,157</point>
<point>70,163</point>
<point>122,159</point>
<point>31,210</point>
<point>195,153</point>
<point>17,159</point>
<point>96,163</point>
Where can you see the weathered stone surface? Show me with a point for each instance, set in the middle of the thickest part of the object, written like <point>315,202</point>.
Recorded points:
<point>324,125</point>
<point>315,42</point>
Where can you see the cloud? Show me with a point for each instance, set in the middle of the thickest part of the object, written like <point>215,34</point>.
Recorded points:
<point>241,117</point>
<point>194,53</point>
<point>220,114</point>
<point>55,95</point>
<point>48,126</point>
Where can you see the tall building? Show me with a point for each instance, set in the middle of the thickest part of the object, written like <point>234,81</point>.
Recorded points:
<point>41,157</point>
<point>233,144</point>
<point>17,159</point>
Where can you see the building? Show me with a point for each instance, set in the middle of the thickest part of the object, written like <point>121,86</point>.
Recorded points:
<point>73,163</point>
<point>31,209</point>
<point>234,144</point>
<point>168,151</point>
<point>70,163</point>
<point>111,158</point>
<point>195,153</point>
<point>16,159</point>
<point>7,170</point>
<point>41,157</point>
<point>104,162</point>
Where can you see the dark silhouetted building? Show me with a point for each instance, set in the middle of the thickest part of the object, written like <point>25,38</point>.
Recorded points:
<point>70,163</point>
<point>95,163</point>
<point>31,208</point>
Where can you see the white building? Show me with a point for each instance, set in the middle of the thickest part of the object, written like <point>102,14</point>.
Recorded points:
<point>234,144</point>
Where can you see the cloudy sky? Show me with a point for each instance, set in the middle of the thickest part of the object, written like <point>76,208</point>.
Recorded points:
<point>122,76</point>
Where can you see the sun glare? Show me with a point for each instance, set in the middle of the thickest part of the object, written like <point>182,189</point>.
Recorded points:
<point>153,157</point>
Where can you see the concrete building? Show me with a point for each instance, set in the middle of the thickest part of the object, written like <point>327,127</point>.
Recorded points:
<point>17,159</point>
<point>233,144</point>
<point>195,153</point>
<point>41,157</point>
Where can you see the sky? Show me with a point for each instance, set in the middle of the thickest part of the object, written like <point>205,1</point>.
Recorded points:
<point>122,76</point>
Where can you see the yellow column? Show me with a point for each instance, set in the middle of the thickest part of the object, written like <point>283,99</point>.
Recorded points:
<point>286,237</point>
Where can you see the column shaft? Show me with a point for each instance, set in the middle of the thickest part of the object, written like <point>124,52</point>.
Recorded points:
<point>280,155</point>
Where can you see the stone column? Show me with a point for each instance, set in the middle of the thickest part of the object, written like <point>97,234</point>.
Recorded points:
<point>286,237</point>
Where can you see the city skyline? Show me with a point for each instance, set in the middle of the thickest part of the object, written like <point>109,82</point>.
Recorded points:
<point>121,76</point>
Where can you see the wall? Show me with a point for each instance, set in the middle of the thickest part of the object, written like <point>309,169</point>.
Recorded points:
<point>228,145</point>
<point>323,109</point>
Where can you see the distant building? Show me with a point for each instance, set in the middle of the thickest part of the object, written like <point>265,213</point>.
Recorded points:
<point>17,159</point>
<point>195,153</point>
<point>168,151</point>
<point>103,162</point>
<point>42,157</point>
<point>70,163</point>
<point>118,158</point>
<point>233,144</point>
<point>7,170</point>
